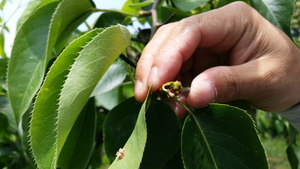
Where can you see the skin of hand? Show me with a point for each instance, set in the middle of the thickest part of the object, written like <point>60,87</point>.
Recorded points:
<point>225,54</point>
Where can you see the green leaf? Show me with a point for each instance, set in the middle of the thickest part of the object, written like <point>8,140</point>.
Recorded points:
<point>69,15</point>
<point>43,126</point>
<point>175,162</point>
<point>24,136</point>
<point>31,8</point>
<point>6,110</point>
<point>33,46</point>
<point>3,125</point>
<point>3,67</point>
<point>108,99</point>
<point>163,131</point>
<point>279,13</point>
<point>27,63</point>
<point>2,47</point>
<point>163,135</point>
<point>140,5</point>
<point>2,4</point>
<point>89,57</point>
<point>85,73</point>
<point>119,124</point>
<point>221,136</point>
<point>135,145</point>
<point>164,14</point>
<point>114,76</point>
<point>107,19</point>
<point>292,152</point>
<point>78,148</point>
<point>188,5</point>
<point>127,9</point>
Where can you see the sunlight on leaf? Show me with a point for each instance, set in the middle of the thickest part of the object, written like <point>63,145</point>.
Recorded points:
<point>33,48</point>
<point>27,62</point>
<point>43,126</point>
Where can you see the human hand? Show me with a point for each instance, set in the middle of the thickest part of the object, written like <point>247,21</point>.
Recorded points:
<point>225,54</point>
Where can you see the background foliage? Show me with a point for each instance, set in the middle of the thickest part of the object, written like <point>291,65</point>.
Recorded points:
<point>64,93</point>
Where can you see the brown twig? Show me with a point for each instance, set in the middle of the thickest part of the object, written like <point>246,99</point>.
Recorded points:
<point>128,61</point>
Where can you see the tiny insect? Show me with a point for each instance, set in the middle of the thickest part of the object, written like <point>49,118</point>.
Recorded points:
<point>172,89</point>
<point>120,153</point>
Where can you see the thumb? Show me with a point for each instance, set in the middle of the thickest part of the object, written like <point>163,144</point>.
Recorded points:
<point>247,81</point>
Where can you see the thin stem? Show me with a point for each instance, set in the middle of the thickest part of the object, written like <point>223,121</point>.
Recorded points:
<point>183,105</point>
<point>126,83</point>
<point>128,61</point>
<point>155,23</point>
<point>170,18</point>
<point>131,74</point>
<point>88,26</point>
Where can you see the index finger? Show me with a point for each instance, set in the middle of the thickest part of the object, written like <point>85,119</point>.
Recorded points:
<point>163,54</point>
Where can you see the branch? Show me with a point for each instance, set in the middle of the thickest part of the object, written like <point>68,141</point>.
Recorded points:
<point>128,61</point>
<point>170,18</point>
<point>155,23</point>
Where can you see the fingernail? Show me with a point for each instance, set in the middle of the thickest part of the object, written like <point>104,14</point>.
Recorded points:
<point>138,86</point>
<point>153,75</point>
<point>206,93</point>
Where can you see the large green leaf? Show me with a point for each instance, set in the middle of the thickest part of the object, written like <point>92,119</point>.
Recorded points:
<point>33,46</point>
<point>78,148</point>
<point>188,5</point>
<point>30,9</point>
<point>221,136</point>
<point>91,64</point>
<point>27,63</point>
<point>56,110</point>
<point>43,127</point>
<point>278,12</point>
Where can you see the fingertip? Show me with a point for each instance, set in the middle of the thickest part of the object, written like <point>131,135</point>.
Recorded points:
<point>201,94</point>
<point>140,91</point>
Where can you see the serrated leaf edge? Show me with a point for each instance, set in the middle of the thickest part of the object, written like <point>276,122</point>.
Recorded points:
<point>29,131</point>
